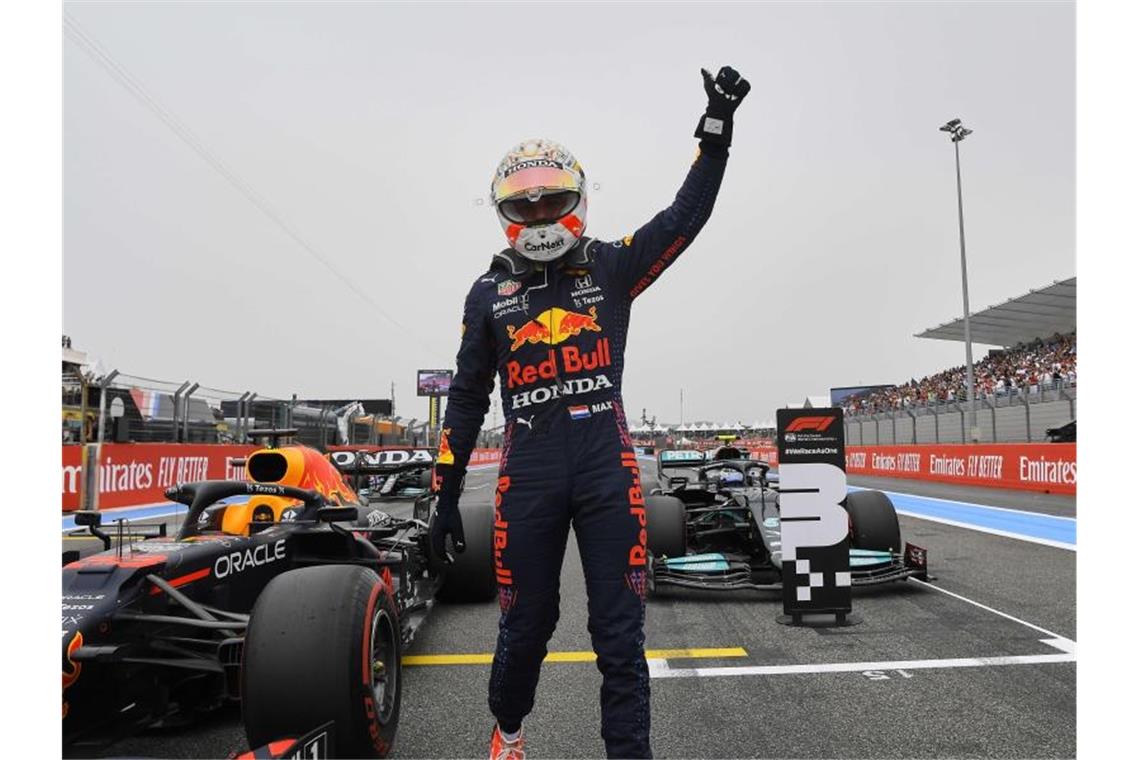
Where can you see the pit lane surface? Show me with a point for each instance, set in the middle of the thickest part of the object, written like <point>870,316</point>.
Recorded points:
<point>982,667</point>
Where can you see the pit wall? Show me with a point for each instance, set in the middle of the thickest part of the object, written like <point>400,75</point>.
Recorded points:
<point>132,474</point>
<point>1045,467</point>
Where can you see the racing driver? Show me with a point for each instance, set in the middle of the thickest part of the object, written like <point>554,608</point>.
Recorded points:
<point>550,316</point>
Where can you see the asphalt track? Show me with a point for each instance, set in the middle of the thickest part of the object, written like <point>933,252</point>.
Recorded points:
<point>980,663</point>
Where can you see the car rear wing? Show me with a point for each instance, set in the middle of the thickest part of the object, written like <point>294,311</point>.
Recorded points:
<point>381,461</point>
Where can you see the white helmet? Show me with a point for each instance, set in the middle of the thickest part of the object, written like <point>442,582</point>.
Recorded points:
<point>539,192</point>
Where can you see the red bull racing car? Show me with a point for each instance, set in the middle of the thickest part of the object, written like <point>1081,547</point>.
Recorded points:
<point>296,600</point>
<point>714,523</point>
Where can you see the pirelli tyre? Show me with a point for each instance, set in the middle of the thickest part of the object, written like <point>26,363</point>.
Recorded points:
<point>665,526</point>
<point>874,522</point>
<point>471,577</point>
<point>323,644</point>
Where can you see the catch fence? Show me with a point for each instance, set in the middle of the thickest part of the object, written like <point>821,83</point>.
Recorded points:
<point>1019,417</point>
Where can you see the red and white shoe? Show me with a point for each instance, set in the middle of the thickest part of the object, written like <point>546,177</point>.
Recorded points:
<point>501,749</point>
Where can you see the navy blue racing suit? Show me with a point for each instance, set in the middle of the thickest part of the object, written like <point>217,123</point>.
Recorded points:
<point>555,334</point>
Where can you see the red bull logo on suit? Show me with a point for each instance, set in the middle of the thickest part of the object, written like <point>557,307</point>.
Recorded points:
<point>553,326</point>
<point>574,360</point>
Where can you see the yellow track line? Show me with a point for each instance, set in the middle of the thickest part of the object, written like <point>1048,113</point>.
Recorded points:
<point>651,654</point>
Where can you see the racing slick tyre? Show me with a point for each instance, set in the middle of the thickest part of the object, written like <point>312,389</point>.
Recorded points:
<point>323,644</point>
<point>471,577</point>
<point>665,526</point>
<point>874,522</point>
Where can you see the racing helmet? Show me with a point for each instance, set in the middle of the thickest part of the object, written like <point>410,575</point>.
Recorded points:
<point>539,192</point>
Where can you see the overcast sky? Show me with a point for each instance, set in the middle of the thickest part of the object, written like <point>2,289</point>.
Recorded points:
<point>370,131</point>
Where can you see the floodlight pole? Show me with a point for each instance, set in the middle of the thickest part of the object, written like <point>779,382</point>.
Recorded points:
<point>958,133</point>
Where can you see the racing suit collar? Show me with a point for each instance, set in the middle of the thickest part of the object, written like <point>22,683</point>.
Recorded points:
<point>517,266</point>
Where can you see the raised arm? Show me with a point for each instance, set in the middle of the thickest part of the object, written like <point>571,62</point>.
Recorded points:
<point>640,258</point>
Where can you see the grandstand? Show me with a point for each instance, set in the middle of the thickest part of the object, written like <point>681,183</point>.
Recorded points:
<point>1021,389</point>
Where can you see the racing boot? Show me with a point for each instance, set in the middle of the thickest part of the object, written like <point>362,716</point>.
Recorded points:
<point>501,749</point>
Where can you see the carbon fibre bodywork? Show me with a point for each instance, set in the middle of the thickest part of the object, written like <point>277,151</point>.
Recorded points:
<point>153,630</point>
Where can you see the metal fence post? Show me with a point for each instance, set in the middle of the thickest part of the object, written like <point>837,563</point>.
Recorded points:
<point>239,415</point>
<point>177,409</point>
<point>894,428</point>
<point>993,418</point>
<point>937,438</point>
<point>1028,421</point>
<point>962,414</point>
<point>249,417</point>
<point>84,384</point>
<point>186,412</point>
<point>103,383</point>
<point>913,426</point>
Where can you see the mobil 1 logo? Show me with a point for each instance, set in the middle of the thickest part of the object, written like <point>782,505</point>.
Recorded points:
<point>816,565</point>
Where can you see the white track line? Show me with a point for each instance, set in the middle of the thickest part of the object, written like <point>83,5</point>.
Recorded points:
<point>1067,647</point>
<point>971,503</point>
<point>991,531</point>
<point>999,613</point>
<point>662,669</point>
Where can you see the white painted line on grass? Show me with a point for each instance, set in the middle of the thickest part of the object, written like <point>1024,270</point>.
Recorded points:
<point>662,669</point>
<point>1006,615</point>
<point>992,531</point>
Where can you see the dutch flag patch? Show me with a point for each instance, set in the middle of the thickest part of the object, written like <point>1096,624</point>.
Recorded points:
<point>580,412</point>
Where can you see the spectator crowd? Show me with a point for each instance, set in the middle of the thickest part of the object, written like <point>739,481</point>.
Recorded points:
<point>1027,368</point>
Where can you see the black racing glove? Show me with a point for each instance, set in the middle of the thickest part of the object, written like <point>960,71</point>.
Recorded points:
<point>447,521</point>
<point>725,94</point>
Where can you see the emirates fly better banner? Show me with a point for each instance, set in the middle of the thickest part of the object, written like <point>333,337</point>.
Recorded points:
<point>1048,467</point>
<point>132,474</point>
<point>816,564</point>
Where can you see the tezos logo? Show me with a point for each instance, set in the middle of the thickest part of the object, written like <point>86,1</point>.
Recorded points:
<point>237,562</point>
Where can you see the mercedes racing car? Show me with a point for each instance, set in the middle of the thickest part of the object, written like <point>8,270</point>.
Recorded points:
<point>714,523</point>
<point>296,600</point>
<point>379,473</point>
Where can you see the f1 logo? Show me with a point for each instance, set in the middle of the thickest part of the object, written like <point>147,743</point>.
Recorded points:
<point>819,424</point>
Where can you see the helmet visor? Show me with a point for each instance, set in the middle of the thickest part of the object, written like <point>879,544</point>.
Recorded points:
<point>547,208</point>
<point>532,179</point>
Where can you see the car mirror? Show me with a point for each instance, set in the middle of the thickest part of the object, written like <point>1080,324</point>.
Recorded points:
<point>88,518</point>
